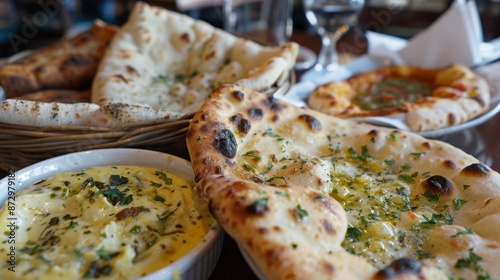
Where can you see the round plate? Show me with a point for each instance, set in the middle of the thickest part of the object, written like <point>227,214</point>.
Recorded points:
<point>196,264</point>
<point>490,113</point>
<point>398,121</point>
<point>251,264</point>
<point>298,95</point>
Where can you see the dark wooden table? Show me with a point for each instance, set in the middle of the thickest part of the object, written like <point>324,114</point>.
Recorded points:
<point>481,141</point>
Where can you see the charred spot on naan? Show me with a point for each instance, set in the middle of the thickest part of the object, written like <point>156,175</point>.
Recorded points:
<point>476,170</point>
<point>242,125</point>
<point>313,123</point>
<point>400,268</point>
<point>438,184</point>
<point>273,104</point>
<point>450,164</point>
<point>255,113</point>
<point>225,143</point>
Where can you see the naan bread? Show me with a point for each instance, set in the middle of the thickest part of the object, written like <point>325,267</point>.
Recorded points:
<point>275,174</point>
<point>58,95</point>
<point>41,114</point>
<point>67,64</point>
<point>160,65</point>
<point>171,63</point>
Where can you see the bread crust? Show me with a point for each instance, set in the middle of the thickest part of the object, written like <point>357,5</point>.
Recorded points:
<point>67,64</point>
<point>252,152</point>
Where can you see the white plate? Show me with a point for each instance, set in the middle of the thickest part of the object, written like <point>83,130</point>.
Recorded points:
<point>399,122</point>
<point>251,264</point>
<point>197,264</point>
<point>300,91</point>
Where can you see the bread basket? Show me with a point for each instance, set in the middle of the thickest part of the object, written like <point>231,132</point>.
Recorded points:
<point>21,146</point>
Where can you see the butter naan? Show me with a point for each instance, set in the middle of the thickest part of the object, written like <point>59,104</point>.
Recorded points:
<point>312,196</point>
<point>160,65</point>
<point>170,62</point>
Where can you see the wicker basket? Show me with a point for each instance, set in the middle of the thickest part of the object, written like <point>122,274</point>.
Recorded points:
<point>21,146</point>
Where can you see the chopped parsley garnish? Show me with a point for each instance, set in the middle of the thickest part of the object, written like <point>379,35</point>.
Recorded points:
<point>437,219</point>
<point>465,231</point>
<point>389,161</point>
<point>156,185</point>
<point>126,200</point>
<point>172,232</point>
<point>164,177</point>
<point>135,229</point>
<point>416,155</point>
<point>355,155</point>
<point>353,233</point>
<point>282,193</point>
<point>275,178</point>
<point>31,250</point>
<point>252,154</point>
<point>78,253</point>
<point>87,182</point>
<point>432,197</point>
<point>261,201</point>
<point>159,198</point>
<point>466,187</point>
<point>72,224</point>
<point>115,196</point>
<point>103,255</point>
<point>301,212</point>
<point>472,261</point>
<point>408,178</point>
<point>422,254</point>
<point>165,215</point>
<point>116,180</point>
<point>269,166</point>
<point>406,166</point>
<point>458,203</point>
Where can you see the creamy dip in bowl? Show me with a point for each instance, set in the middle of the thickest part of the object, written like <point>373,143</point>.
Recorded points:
<point>107,214</point>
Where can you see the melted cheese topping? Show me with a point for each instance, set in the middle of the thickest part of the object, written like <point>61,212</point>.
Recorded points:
<point>389,216</point>
<point>115,222</point>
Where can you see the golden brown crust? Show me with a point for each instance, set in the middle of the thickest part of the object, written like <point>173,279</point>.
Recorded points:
<point>58,95</point>
<point>68,64</point>
<point>284,244</point>
<point>458,95</point>
<point>246,146</point>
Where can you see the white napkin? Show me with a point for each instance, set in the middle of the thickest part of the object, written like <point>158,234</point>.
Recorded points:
<point>491,73</point>
<point>455,37</point>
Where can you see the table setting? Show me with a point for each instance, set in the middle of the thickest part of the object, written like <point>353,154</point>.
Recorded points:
<point>229,111</point>
<point>433,47</point>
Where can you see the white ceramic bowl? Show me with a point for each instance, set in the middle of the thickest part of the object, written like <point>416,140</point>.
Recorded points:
<point>197,264</point>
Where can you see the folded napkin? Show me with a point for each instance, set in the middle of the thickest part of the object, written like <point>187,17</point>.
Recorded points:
<point>455,37</point>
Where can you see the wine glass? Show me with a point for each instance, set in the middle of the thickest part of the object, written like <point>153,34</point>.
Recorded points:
<point>268,22</point>
<point>332,19</point>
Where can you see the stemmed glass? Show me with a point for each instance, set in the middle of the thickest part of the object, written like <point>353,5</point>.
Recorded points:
<point>332,19</point>
<point>269,23</point>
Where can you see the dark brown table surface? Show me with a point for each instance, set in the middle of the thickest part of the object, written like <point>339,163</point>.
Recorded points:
<point>481,141</point>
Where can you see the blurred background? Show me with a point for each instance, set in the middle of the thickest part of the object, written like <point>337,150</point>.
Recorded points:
<point>29,24</point>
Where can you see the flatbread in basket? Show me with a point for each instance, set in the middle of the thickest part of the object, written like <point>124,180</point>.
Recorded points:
<point>160,65</point>
<point>170,63</point>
